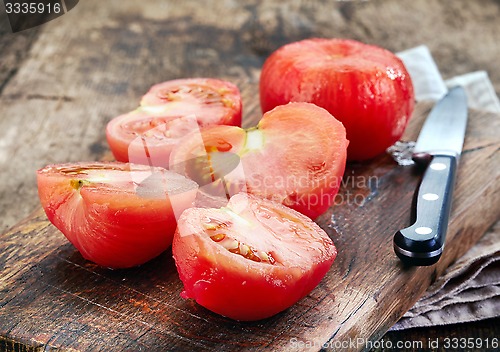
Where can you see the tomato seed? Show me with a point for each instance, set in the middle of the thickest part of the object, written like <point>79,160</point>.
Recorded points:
<point>242,249</point>
<point>218,237</point>
<point>252,256</point>
<point>231,245</point>
<point>264,256</point>
<point>211,227</point>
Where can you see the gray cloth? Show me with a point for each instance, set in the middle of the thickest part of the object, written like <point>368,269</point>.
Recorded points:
<point>470,288</point>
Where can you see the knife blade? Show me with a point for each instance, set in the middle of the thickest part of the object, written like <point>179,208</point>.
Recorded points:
<point>438,146</point>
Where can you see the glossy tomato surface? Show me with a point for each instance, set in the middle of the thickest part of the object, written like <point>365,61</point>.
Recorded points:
<point>251,259</point>
<point>366,87</point>
<point>117,215</point>
<point>296,155</point>
<point>167,113</point>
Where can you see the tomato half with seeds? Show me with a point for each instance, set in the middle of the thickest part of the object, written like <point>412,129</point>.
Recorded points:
<point>296,155</point>
<point>166,115</point>
<point>251,259</point>
<point>365,87</point>
<point>117,215</point>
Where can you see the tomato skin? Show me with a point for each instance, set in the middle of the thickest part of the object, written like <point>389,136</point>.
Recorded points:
<point>148,134</point>
<point>296,156</point>
<point>237,287</point>
<point>99,210</point>
<point>366,87</point>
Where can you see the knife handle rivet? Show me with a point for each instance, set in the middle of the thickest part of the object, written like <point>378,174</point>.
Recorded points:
<point>430,196</point>
<point>438,166</point>
<point>423,230</point>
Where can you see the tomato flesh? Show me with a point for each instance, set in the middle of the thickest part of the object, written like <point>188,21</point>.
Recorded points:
<point>148,134</point>
<point>296,156</point>
<point>251,259</point>
<point>117,215</point>
<point>366,87</point>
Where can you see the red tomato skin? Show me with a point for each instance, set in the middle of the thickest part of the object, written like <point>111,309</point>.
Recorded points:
<point>238,288</point>
<point>226,292</point>
<point>112,228</point>
<point>217,103</point>
<point>366,87</point>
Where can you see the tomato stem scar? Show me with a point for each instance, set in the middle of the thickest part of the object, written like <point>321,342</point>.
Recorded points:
<point>254,140</point>
<point>77,184</point>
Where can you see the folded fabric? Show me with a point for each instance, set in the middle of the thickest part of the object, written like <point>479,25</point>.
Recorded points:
<point>480,92</point>
<point>424,73</point>
<point>453,314</point>
<point>468,291</point>
<point>429,85</point>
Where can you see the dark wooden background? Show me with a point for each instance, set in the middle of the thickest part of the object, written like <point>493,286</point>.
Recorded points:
<point>49,75</point>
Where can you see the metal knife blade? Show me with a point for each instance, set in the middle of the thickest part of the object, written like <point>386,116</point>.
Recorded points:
<point>440,141</point>
<point>444,129</point>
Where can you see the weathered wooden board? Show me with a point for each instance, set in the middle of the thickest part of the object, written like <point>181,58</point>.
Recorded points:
<point>61,83</point>
<point>51,296</point>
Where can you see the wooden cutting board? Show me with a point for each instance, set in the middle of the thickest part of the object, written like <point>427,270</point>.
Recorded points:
<point>52,297</point>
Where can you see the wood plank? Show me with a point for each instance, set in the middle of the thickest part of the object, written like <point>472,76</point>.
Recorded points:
<point>95,62</point>
<point>63,81</point>
<point>53,297</point>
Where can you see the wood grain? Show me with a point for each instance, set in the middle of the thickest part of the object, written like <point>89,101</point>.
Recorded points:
<point>51,296</point>
<point>62,82</point>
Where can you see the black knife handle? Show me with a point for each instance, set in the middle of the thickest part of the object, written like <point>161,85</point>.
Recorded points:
<point>422,243</point>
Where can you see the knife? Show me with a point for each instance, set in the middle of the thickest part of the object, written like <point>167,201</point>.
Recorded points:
<point>438,148</point>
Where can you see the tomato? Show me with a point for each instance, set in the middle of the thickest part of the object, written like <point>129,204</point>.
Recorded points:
<point>366,87</point>
<point>148,134</point>
<point>117,215</point>
<point>296,156</point>
<point>251,259</point>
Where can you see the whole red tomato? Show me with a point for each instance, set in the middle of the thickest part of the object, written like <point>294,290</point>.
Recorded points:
<point>365,87</point>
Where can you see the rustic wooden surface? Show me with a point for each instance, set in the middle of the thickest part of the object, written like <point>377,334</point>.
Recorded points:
<point>61,83</point>
<point>52,297</point>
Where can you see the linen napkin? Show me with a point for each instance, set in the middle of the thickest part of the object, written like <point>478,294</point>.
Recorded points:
<point>470,288</point>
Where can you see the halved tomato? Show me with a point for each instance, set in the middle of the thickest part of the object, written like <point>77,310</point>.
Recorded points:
<point>117,215</point>
<point>296,156</point>
<point>251,259</point>
<point>148,134</point>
